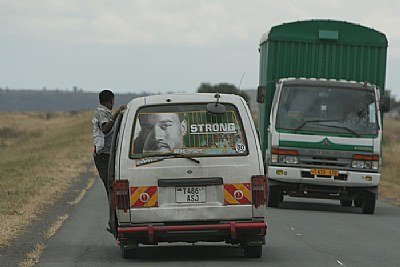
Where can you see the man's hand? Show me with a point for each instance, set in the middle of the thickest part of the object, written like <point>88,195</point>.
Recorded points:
<point>121,108</point>
<point>106,127</point>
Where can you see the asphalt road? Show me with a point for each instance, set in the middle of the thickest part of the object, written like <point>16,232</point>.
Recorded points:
<point>301,233</point>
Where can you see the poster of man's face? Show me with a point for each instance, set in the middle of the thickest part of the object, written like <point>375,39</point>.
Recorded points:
<point>187,130</point>
<point>160,132</point>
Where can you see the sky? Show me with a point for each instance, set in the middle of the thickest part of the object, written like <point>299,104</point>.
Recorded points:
<point>134,46</point>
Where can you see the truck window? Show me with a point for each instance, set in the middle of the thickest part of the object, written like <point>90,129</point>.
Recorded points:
<point>187,129</point>
<point>332,110</point>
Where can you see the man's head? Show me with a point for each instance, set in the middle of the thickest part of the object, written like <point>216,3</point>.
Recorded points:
<point>162,132</point>
<point>106,98</point>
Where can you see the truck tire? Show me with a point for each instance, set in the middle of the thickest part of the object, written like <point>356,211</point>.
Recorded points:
<point>368,206</point>
<point>274,196</point>
<point>346,203</point>
<point>358,202</point>
<point>253,251</point>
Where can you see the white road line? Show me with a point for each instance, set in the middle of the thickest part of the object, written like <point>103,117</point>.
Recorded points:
<point>341,264</point>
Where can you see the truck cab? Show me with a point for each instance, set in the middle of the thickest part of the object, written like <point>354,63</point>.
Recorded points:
<point>325,138</point>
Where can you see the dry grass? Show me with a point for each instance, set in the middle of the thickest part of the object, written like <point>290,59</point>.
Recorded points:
<point>33,257</point>
<point>42,154</point>
<point>390,183</point>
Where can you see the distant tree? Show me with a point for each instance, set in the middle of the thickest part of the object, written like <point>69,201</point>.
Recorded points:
<point>223,88</point>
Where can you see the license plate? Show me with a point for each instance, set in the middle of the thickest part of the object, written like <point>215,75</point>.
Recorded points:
<point>190,194</point>
<point>324,172</point>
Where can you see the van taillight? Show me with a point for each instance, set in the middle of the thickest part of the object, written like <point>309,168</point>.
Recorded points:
<point>121,194</point>
<point>259,190</point>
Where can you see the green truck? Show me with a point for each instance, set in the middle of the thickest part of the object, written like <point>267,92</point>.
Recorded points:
<point>322,100</point>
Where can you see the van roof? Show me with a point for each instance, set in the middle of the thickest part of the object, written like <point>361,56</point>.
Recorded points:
<point>188,98</point>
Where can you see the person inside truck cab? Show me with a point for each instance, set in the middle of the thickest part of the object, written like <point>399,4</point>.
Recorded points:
<point>359,113</point>
<point>160,132</point>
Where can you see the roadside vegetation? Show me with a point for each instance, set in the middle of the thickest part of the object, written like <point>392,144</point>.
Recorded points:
<point>41,156</point>
<point>390,180</point>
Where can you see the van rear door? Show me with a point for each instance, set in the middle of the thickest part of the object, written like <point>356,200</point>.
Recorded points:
<point>203,175</point>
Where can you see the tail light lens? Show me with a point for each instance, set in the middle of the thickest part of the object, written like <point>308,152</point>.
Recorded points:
<point>259,190</point>
<point>121,194</point>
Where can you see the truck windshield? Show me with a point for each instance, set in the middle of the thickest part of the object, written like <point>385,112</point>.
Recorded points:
<point>187,131</point>
<point>332,110</point>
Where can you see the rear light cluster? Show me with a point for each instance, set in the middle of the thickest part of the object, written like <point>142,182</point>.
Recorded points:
<point>121,194</point>
<point>367,162</point>
<point>259,190</point>
<point>285,156</point>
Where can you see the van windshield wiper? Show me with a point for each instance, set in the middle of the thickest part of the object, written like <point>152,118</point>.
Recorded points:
<point>160,157</point>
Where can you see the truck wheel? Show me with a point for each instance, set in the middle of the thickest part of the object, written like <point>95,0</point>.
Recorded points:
<point>253,251</point>
<point>274,196</point>
<point>358,202</point>
<point>346,203</point>
<point>368,206</point>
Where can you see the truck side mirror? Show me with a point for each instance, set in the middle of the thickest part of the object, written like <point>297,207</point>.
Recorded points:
<point>261,93</point>
<point>384,104</point>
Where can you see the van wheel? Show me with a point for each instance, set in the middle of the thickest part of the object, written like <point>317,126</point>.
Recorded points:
<point>346,203</point>
<point>368,206</point>
<point>253,251</point>
<point>274,196</point>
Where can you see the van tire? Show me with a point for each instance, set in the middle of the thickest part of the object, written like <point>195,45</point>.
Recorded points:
<point>127,252</point>
<point>368,206</point>
<point>253,251</point>
<point>274,196</point>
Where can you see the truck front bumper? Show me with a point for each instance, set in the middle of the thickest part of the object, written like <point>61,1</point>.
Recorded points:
<point>302,175</point>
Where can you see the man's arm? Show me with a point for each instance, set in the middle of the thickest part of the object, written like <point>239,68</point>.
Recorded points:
<point>107,126</point>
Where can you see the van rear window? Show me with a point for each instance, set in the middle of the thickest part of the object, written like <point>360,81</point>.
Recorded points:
<point>187,129</point>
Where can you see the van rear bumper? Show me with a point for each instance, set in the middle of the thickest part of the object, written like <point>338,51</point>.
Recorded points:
<point>232,232</point>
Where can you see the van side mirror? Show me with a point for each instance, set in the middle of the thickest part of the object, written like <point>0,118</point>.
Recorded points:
<point>261,94</point>
<point>384,104</point>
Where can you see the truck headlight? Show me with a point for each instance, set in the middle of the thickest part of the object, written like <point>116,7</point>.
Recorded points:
<point>368,165</point>
<point>292,159</point>
<point>368,162</point>
<point>359,164</point>
<point>288,159</point>
<point>285,156</point>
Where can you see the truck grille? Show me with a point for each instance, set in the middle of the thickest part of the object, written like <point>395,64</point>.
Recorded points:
<point>308,161</point>
<point>314,158</point>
